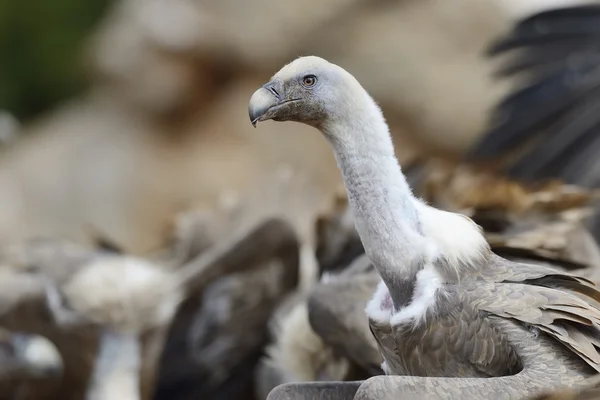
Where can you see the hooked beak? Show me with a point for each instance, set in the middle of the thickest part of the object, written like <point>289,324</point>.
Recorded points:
<point>269,102</point>
<point>262,101</point>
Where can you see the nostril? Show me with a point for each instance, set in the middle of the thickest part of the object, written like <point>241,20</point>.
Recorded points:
<point>271,87</point>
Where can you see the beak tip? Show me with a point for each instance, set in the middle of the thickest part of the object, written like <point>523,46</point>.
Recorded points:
<point>261,102</point>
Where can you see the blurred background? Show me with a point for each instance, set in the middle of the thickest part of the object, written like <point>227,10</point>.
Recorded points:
<point>118,117</point>
<point>118,114</point>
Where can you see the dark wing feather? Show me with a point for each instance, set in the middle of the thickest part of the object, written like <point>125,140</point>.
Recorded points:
<point>555,25</point>
<point>545,57</point>
<point>565,144</point>
<point>560,52</point>
<point>522,114</point>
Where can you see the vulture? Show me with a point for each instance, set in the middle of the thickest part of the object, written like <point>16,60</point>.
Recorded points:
<point>217,337</point>
<point>305,345</point>
<point>296,352</point>
<point>538,224</point>
<point>123,303</point>
<point>549,126</point>
<point>447,311</point>
<point>322,334</point>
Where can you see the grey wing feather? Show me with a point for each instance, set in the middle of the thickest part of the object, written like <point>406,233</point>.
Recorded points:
<point>559,304</point>
<point>501,270</point>
<point>336,314</point>
<point>458,341</point>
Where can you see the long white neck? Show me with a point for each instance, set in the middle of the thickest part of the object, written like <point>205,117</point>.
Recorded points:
<point>383,205</point>
<point>117,370</point>
<point>400,234</point>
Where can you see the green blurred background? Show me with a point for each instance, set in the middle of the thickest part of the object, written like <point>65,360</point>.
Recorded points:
<point>40,43</point>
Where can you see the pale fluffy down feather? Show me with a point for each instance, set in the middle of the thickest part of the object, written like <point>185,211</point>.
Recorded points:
<point>127,293</point>
<point>385,369</point>
<point>460,243</point>
<point>381,310</point>
<point>299,353</point>
<point>427,284</point>
<point>458,247</point>
<point>380,307</point>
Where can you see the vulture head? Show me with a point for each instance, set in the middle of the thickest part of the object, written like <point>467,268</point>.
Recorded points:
<point>310,90</point>
<point>24,355</point>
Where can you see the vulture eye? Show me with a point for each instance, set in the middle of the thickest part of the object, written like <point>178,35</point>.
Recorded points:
<point>309,81</point>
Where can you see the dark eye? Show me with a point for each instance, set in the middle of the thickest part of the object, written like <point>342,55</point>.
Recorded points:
<point>309,80</point>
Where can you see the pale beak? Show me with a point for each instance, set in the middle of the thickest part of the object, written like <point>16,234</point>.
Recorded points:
<point>262,101</point>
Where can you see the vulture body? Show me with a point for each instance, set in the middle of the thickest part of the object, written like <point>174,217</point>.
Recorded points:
<point>447,311</point>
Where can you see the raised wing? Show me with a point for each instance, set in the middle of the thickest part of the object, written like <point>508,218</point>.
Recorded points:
<point>557,110</point>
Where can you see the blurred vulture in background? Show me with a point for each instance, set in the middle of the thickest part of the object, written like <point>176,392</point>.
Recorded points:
<point>549,127</point>
<point>321,333</point>
<point>218,334</point>
<point>110,315</point>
